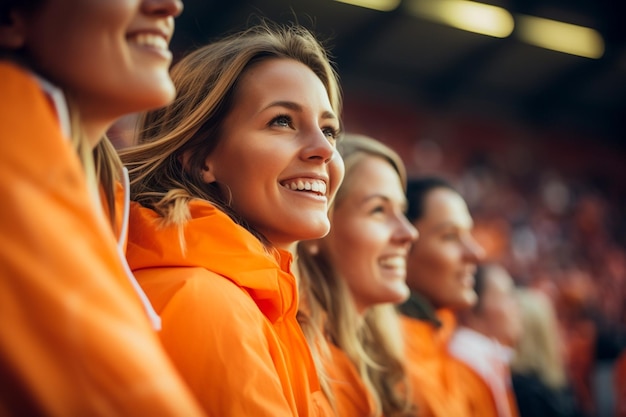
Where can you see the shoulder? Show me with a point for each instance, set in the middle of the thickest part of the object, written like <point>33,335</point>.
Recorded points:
<point>196,293</point>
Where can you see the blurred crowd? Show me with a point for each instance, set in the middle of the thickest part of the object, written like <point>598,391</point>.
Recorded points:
<point>546,205</point>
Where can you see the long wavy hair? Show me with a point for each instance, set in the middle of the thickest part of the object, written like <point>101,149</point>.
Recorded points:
<point>539,350</point>
<point>101,164</point>
<point>206,81</point>
<point>372,341</point>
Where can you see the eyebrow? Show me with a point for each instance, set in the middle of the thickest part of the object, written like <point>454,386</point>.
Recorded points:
<point>298,108</point>
<point>384,197</point>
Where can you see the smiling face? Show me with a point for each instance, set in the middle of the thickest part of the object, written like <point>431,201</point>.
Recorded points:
<point>443,261</point>
<point>276,158</point>
<point>111,57</point>
<point>370,236</point>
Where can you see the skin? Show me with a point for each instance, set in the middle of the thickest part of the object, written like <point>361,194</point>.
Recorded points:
<point>281,132</point>
<point>443,261</point>
<point>109,57</point>
<point>370,236</point>
<point>498,313</point>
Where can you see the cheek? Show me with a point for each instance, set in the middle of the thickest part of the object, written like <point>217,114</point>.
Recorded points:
<point>336,172</point>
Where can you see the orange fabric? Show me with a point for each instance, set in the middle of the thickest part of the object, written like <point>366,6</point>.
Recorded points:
<point>481,397</point>
<point>620,385</point>
<point>228,309</point>
<point>352,399</point>
<point>74,339</point>
<point>485,372</point>
<point>432,372</point>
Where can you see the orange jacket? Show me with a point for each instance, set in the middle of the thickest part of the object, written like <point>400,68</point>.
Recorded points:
<point>228,309</point>
<point>433,373</point>
<point>485,373</point>
<point>352,399</point>
<point>74,339</point>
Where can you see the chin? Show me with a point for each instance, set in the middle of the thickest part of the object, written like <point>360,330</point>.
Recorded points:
<point>317,231</point>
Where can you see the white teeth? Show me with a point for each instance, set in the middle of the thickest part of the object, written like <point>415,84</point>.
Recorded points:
<point>317,186</point>
<point>150,39</point>
<point>395,262</point>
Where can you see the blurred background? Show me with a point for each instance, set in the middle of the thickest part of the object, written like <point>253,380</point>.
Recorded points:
<point>522,105</point>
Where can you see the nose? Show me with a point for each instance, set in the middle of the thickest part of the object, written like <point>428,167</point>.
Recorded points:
<point>405,232</point>
<point>318,147</point>
<point>473,250</point>
<point>164,8</point>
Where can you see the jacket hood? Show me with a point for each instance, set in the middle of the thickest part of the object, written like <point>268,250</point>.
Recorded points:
<point>214,242</point>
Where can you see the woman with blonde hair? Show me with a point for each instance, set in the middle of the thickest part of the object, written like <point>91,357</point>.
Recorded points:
<point>76,338</point>
<point>228,178</point>
<point>352,279</point>
<point>540,381</point>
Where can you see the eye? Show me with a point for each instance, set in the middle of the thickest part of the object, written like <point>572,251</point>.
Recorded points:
<point>282,120</point>
<point>451,235</point>
<point>331,133</point>
<point>378,209</point>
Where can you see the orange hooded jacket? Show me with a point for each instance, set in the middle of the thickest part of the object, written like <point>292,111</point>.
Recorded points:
<point>434,374</point>
<point>74,339</point>
<point>485,373</point>
<point>352,399</point>
<point>228,309</point>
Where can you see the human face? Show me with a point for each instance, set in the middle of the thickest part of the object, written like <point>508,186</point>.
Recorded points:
<point>111,57</point>
<point>498,313</point>
<point>277,158</point>
<point>442,262</point>
<point>370,236</point>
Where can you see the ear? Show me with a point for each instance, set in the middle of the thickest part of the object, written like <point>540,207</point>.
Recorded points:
<point>12,31</point>
<point>208,175</point>
<point>206,171</point>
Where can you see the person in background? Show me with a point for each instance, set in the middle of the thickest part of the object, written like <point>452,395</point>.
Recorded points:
<point>227,179</point>
<point>485,339</point>
<point>440,274</point>
<point>76,338</point>
<point>352,279</point>
<point>540,381</point>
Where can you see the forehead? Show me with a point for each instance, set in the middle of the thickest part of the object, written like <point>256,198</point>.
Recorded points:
<point>373,175</point>
<point>445,206</point>
<point>279,76</point>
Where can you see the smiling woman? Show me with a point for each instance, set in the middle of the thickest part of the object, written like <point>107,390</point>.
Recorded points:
<point>76,338</point>
<point>352,279</point>
<point>228,178</point>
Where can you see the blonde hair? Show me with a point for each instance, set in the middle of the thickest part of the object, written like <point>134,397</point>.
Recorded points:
<point>538,351</point>
<point>206,81</point>
<point>373,342</point>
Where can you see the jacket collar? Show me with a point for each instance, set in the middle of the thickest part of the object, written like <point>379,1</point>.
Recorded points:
<point>214,242</point>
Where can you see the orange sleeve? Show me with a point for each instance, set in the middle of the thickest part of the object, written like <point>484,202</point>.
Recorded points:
<point>352,399</point>
<point>221,343</point>
<point>435,383</point>
<point>479,394</point>
<point>74,341</point>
